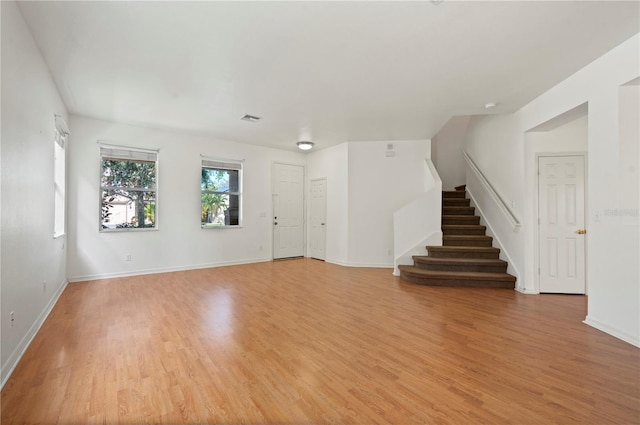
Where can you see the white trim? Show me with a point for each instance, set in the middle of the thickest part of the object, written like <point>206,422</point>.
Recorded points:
<point>304,207</point>
<point>308,218</point>
<point>510,215</point>
<point>526,291</point>
<point>14,358</point>
<point>360,265</point>
<point>109,145</point>
<point>536,214</point>
<point>631,339</point>
<point>204,157</point>
<point>336,262</point>
<point>166,269</point>
<point>371,265</point>
<point>155,190</point>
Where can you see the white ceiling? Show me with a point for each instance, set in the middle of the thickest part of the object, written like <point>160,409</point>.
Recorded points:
<point>336,70</point>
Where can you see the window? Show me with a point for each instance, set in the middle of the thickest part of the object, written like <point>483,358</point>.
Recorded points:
<point>128,185</point>
<point>221,201</point>
<point>59,179</point>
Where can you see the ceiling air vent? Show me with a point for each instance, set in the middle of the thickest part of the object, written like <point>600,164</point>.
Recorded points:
<point>250,118</point>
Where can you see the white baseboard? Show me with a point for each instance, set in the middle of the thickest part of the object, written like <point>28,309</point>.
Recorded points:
<point>370,265</point>
<point>526,291</point>
<point>631,339</point>
<point>337,262</point>
<point>14,358</point>
<point>165,269</point>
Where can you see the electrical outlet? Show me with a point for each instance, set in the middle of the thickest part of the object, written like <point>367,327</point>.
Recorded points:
<point>128,257</point>
<point>12,318</point>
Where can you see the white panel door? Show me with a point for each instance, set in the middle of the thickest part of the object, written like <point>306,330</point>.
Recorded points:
<point>317,219</point>
<point>562,224</point>
<point>288,211</point>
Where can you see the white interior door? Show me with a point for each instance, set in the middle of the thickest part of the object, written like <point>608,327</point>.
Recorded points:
<point>317,219</point>
<point>562,224</point>
<point>288,211</point>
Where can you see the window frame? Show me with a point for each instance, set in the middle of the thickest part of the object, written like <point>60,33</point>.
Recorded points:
<point>61,136</point>
<point>220,164</point>
<point>128,154</point>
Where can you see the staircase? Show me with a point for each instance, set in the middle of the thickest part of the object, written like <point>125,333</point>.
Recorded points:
<point>466,257</point>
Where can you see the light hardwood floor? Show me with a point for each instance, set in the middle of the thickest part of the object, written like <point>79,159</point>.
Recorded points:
<point>302,341</point>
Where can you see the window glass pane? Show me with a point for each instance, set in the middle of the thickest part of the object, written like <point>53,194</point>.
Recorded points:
<point>128,194</point>
<point>219,180</point>
<point>220,199</point>
<point>123,209</point>
<point>220,210</point>
<point>214,207</point>
<point>126,173</point>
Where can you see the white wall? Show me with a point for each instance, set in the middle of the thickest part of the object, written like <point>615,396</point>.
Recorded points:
<point>179,242</point>
<point>378,186</point>
<point>497,144</point>
<point>492,143</point>
<point>332,163</point>
<point>570,137</point>
<point>614,244</point>
<point>33,265</point>
<point>447,149</point>
<point>364,188</point>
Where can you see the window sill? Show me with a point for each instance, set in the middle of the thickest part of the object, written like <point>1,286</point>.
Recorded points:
<point>220,227</point>
<point>130,229</point>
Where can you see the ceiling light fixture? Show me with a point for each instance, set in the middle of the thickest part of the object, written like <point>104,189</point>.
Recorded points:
<point>305,145</point>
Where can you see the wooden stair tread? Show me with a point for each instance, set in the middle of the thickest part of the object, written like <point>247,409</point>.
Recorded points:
<point>463,226</point>
<point>458,208</point>
<point>463,229</point>
<point>457,275</point>
<point>463,248</point>
<point>460,219</point>
<point>452,202</point>
<point>453,194</point>
<point>453,260</point>
<point>462,237</point>
<point>467,240</point>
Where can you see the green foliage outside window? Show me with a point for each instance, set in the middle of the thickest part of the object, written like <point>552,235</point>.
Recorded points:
<point>220,197</point>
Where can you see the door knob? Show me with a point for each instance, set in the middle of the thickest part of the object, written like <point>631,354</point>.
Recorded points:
<point>275,224</point>
<point>321,224</point>
<point>581,231</point>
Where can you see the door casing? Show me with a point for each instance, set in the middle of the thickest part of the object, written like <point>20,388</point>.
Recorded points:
<point>537,225</point>
<point>302,251</point>
<point>318,221</point>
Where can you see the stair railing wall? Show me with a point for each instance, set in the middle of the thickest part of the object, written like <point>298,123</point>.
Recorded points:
<point>508,213</point>
<point>502,223</point>
<point>418,223</point>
